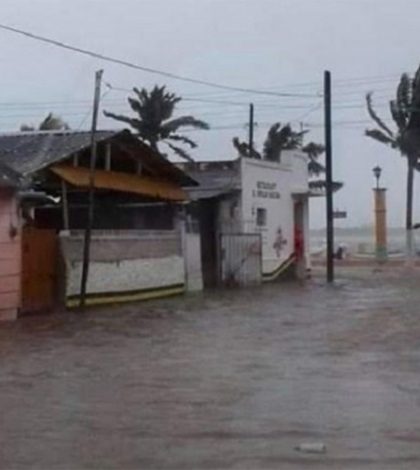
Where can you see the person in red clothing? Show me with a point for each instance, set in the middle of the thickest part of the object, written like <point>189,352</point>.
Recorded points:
<point>298,243</point>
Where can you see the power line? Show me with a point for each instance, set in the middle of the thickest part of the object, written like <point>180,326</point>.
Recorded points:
<point>132,65</point>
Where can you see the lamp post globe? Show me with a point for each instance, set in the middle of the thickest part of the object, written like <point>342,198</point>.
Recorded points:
<point>377,173</point>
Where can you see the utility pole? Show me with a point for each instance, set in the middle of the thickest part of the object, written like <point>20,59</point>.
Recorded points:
<point>251,130</point>
<point>91,197</point>
<point>329,181</point>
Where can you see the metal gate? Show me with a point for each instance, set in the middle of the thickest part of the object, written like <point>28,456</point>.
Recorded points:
<point>240,259</point>
<point>39,269</point>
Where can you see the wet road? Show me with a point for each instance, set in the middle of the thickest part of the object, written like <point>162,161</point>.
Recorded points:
<point>231,380</point>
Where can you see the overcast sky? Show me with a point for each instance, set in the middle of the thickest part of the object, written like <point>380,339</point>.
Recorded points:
<point>278,45</point>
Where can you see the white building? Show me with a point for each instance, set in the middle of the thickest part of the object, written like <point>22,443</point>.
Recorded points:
<point>252,217</point>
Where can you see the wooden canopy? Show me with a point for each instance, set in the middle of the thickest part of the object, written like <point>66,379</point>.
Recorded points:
<point>124,182</point>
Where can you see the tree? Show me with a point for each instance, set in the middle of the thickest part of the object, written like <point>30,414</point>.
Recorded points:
<point>315,169</point>
<point>154,122</point>
<point>51,123</point>
<point>405,112</point>
<point>281,138</point>
<point>278,138</point>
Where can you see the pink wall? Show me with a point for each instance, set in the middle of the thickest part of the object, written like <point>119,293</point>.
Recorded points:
<point>10,256</point>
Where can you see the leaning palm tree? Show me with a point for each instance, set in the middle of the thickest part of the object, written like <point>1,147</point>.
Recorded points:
<point>278,138</point>
<point>281,138</point>
<point>154,122</point>
<point>405,112</point>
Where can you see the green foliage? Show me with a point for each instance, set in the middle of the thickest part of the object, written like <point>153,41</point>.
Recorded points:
<point>154,123</point>
<point>281,138</point>
<point>314,151</point>
<point>51,123</point>
<point>278,138</point>
<point>405,112</point>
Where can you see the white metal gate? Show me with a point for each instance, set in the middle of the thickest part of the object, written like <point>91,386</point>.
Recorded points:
<point>240,259</point>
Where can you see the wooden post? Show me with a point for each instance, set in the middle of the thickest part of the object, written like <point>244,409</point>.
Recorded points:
<point>108,156</point>
<point>88,230</point>
<point>65,205</point>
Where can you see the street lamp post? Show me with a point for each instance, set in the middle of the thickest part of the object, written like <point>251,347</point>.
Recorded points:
<point>381,250</point>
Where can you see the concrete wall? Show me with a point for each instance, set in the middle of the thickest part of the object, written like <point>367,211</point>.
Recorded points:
<point>192,256</point>
<point>10,256</point>
<point>128,265</point>
<point>270,186</point>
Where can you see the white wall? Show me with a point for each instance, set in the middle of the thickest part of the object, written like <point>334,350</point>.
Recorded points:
<point>192,256</point>
<point>271,185</point>
<point>131,265</point>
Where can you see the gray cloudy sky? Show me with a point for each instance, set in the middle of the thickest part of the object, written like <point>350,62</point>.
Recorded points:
<point>281,45</point>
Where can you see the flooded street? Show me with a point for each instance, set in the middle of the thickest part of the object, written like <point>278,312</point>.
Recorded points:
<point>226,380</point>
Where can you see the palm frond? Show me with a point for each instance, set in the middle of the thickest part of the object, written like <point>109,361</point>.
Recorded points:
<point>181,138</point>
<point>281,138</point>
<point>404,93</point>
<point>180,152</point>
<point>315,168</point>
<point>243,149</point>
<point>414,118</point>
<point>380,136</point>
<point>133,122</point>
<point>184,121</point>
<point>157,105</point>
<point>322,185</point>
<point>313,150</point>
<point>375,117</point>
<point>398,115</point>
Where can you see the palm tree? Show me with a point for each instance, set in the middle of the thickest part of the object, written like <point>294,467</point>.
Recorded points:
<point>281,138</point>
<point>278,138</point>
<point>51,123</point>
<point>315,169</point>
<point>405,112</point>
<point>154,122</point>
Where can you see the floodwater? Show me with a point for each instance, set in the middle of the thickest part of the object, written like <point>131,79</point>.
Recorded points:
<point>233,380</point>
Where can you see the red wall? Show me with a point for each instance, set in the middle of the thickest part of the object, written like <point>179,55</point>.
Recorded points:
<point>10,256</point>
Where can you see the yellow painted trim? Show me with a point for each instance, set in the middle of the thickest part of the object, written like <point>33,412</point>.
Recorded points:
<point>98,299</point>
<point>281,269</point>
<point>119,181</point>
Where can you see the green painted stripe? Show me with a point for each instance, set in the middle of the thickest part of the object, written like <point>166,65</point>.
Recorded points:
<point>100,298</point>
<point>271,276</point>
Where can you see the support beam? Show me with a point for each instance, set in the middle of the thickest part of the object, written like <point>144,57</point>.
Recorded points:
<point>108,156</point>
<point>65,205</point>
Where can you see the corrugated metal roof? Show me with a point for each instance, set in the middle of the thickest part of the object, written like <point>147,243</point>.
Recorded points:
<point>29,152</point>
<point>215,178</point>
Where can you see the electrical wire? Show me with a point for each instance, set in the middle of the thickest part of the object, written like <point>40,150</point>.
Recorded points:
<point>132,65</point>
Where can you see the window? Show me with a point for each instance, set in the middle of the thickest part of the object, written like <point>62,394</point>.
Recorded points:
<point>261,217</point>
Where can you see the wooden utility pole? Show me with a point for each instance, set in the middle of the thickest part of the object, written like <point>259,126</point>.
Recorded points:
<point>251,130</point>
<point>329,180</point>
<point>91,200</point>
